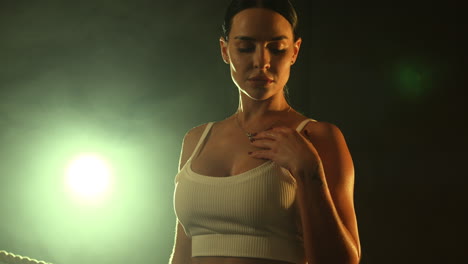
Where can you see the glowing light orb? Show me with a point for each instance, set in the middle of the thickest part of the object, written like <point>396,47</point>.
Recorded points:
<point>413,80</point>
<point>88,176</point>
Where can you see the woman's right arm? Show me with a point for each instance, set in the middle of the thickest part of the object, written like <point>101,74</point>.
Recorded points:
<point>182,250</point>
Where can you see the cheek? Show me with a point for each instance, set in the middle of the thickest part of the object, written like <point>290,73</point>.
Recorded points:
<point>239,64</point>
<point>283,65</point>
<point>287,59</point>
<point>237,61</point>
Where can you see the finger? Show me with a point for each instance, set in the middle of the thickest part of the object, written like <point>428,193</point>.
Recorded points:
<point>282,129</point>
<point>261,154</point>
<point>267,134</point>
<point>263,143</point>
<point>275,132</point>
<point>263,135</point>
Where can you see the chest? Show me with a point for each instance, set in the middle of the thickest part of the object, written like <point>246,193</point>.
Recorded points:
<point>259,202</point>
<point>225,154</point>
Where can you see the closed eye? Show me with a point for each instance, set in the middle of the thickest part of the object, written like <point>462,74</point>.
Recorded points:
<point>274,51</point>
<point>277,51</point>
<point>246,50</point>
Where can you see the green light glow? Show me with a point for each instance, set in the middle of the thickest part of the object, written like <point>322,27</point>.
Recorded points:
<point>413,80</point>
<point>410,80</point>
<point>88,177</point>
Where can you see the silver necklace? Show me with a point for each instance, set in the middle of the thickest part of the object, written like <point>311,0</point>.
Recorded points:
<point>251,135</point>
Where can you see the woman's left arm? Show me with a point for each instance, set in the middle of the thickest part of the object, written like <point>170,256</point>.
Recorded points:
<point>320,161</point>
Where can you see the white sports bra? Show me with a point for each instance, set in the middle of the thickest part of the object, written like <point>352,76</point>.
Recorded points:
<point>251,214</point>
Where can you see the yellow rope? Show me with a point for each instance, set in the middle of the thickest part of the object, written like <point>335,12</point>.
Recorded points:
<point>10,258</point>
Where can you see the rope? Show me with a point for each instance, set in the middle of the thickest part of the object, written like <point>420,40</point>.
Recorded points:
<point>10,258</point>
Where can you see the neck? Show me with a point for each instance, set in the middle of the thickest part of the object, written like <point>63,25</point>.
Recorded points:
<point>253,111</point>
<point>253,118</point>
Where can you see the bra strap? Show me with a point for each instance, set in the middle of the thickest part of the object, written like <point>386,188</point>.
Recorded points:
<point>304,123</point>
<point>201,140</point>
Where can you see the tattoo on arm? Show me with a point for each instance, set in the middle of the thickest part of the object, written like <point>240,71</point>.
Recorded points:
<point>316,175</point>
<point>313,177</point>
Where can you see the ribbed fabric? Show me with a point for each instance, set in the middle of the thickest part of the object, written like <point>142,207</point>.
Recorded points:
<point>251,214</point>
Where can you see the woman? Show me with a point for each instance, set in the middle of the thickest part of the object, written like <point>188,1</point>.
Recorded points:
<point>267,184</point>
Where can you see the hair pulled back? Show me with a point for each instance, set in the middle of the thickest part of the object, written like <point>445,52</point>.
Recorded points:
<point>282,7</point>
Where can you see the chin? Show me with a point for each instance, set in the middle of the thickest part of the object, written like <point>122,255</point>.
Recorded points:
<point>260,96</point>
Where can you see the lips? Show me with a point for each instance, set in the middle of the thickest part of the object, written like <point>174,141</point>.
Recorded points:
<point>261,79</point>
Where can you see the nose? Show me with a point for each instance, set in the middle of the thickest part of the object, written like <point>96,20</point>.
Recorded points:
<point>261,58</point>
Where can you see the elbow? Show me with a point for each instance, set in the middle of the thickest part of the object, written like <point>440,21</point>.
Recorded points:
<point>353,257</point>
<point>349,259</point>
<point>351,254</point>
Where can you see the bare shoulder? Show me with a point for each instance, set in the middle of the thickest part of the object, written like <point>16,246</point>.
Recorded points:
<point>323,132</point>
<point>190,142</point>
<point>331,146</point>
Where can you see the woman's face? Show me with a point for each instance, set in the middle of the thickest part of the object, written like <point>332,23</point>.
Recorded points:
<point>260,51</point>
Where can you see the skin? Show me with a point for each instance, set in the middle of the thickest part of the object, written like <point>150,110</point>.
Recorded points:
<point>261,45</point>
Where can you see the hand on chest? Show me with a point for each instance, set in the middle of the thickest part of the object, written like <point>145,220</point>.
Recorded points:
<point>225,154</point>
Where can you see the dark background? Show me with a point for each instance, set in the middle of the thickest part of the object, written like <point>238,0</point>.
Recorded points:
<point>138,74</point>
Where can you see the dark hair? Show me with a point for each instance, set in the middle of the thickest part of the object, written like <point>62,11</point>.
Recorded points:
<point>283,7</point>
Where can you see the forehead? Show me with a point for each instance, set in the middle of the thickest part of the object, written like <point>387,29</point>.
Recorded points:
<point>260,24</point>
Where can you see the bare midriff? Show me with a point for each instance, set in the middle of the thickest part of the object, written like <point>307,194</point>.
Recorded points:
<point>235,260</point>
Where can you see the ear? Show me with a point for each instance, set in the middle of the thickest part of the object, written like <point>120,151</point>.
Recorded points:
<point>224,52</point>
<point>297,47</point>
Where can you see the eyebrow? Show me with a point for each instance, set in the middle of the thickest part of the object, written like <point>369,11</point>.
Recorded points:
<point>253,39</point>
